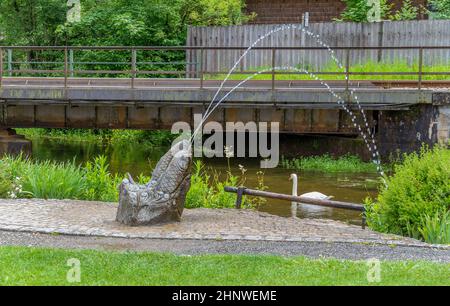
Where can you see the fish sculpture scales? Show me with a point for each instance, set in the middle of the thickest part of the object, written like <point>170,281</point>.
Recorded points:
<point>162,199</point>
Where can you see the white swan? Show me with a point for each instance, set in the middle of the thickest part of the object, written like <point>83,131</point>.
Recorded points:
<point>314,195</point>
<point>294,180</point>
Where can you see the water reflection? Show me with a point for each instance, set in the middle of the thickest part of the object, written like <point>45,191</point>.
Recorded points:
<point>137,159</point>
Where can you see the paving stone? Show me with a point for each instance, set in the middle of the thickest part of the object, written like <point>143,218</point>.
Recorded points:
<point>98,219</point>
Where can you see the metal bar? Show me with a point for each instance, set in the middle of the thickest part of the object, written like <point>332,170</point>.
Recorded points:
<point>299,199</point>
<point>66,66</point>
<point>71,63</point>
<point>273,68</point>
<point>240,193</point>
<point>174,48</point>
<point>9,51</point>
<point>347,70</point>
<point>133,66</point>
<point>420,68</point>
<point>202,75</point>
<point>1,67</point>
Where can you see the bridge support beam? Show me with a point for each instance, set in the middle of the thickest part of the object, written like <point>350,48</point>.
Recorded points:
<point>11,143</point>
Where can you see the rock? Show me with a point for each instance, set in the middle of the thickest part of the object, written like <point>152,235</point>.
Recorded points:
<point>162,199</point>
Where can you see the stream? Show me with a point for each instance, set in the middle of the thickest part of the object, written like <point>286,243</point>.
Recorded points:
<point>136,159</point>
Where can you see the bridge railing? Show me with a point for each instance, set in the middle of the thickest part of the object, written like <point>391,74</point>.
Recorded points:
<point>136,63</point>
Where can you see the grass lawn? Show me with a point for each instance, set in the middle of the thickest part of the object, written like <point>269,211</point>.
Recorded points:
<point>373,67</point>
<point>34,266</point>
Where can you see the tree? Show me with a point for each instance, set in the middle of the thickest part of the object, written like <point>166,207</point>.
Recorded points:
<point>108,22</point>
<point>360,10</point>
<point>439,9</point>
<point>31,22</point>
<point>407,12</point>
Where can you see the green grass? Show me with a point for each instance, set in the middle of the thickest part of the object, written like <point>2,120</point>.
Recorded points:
<point>326,163</point>
<point>35,266</point>
<point>383,67</point>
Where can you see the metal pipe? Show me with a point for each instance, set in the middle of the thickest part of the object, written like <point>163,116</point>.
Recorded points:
<point>299,199</point>
<point>174,48</point>
<point>1,66</point>
<point>420,68</point>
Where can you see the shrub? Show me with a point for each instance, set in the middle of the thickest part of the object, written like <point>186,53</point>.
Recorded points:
<point>419,190</point>
<point>101,185</point>
<point>436,229</point>
<point>208,191</point>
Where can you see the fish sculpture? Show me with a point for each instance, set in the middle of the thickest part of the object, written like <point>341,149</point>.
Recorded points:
<point>162,199</point>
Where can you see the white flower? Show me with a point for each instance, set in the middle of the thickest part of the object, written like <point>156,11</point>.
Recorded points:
<point>243,170</point>
<point>229,153</point>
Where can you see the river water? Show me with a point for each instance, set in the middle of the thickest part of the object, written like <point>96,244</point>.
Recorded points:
<point>132,158</point>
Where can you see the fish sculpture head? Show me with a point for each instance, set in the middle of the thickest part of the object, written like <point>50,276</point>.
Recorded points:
<point>162,199</point>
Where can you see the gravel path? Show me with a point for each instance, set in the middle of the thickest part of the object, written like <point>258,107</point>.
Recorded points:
<point>98,219</point>
<point>353,251</point>
<point>91,225</point>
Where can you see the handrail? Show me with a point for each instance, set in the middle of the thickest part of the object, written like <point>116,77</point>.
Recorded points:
<point>135,67</point>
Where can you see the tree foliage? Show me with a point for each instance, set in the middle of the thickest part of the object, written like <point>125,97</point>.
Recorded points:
<point>440,9</point>
<point>112,22</point>
<point>407,12</point>
<point>358,10</point>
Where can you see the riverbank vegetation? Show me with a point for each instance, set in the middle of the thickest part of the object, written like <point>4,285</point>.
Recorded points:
<point>21,177</point>
<point>416,199</point>
<point>37,266</point>
<point>326,163</point>
<point>155,138</point>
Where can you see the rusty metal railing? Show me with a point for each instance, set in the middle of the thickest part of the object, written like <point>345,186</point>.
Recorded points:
<point>132,68</point>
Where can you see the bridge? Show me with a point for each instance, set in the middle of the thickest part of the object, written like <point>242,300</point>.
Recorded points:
<point>73,95</point>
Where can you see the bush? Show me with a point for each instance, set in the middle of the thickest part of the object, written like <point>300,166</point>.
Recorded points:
<point>207,191</point>
<point>418,191</point>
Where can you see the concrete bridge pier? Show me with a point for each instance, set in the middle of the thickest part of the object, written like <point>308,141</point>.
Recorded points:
<point>408,131</point>
<point>11,143</point>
